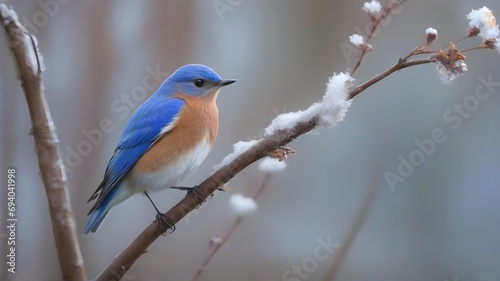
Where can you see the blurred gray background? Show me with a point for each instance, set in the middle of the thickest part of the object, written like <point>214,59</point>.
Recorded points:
<point>441,223</point>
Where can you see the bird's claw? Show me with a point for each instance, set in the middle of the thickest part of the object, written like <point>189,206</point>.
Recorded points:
<point>181,188</point>
<point>163,225</point>
<point>196,193</point>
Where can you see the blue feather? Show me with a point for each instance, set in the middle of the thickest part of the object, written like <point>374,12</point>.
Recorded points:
<point>145,126</point>
<point>190,72</point>
<point>99,214</point>
<point>141,131</point>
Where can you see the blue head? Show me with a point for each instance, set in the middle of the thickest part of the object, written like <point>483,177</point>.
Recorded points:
<point>195,80</point>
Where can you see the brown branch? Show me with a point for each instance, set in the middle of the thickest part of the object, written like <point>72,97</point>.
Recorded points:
<point>53,176</point>
<point>353,231</point>
<point>125,259</point>
<point>119,266</point>
<point>387,10</point>
<point>398,66</point>
<point>216,249</point>
<point>235,225</point>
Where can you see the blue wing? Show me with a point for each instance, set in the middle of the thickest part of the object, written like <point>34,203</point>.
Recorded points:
<point>142,129</point>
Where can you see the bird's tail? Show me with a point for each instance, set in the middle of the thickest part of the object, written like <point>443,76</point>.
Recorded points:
<point>113,198</point>
<point>96,218</point>
<point>100,213</point>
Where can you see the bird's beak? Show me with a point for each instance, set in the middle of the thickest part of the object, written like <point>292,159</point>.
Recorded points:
<point>223,83</point>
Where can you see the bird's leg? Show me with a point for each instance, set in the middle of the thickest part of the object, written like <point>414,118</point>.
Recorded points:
<point>182,188</point>
<point>194,191</point>
<point>161,219</point>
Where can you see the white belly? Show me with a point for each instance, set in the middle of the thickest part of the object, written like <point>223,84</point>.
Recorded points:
<point>172,175</point>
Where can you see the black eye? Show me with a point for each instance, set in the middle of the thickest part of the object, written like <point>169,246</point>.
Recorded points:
<point>199,83</point>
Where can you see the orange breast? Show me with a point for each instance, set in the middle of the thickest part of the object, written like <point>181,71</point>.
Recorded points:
<point>198,119</point>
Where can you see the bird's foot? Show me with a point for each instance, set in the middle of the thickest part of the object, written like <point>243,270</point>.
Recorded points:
<point>185,188</point>
<point>194,191</point>
<point>163,225</point>
<point>161,220</point>
<point>197,194</point>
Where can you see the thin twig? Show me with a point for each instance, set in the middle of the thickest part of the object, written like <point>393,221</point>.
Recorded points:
<point>354,229</point>
<point>461,39</point>
<point>385,12</point>
<point>473,48</point>
<point>217,247</point>
<point>228,235</point>
<point>53,175</point>
<point>398,66</point>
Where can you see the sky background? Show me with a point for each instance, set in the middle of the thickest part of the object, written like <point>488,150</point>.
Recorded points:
<point>441,223</point>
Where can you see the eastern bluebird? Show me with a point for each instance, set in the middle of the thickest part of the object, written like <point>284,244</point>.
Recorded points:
<point>164,141</point>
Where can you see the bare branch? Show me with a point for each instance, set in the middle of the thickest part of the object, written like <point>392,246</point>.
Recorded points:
<point>52,170</point>
<point>235,225</point>
<point>398,66</point>
<point>118,267</point>
<point>375,22</point>
<point>353,231</point>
